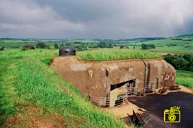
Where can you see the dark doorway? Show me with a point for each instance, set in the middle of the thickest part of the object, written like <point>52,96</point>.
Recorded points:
<point>130,88</point>
<point>129,84</point>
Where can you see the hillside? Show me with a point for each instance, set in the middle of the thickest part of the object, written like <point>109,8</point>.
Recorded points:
<point>33,95</point>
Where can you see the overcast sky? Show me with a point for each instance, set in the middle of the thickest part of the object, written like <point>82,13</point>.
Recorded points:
<point>112,19</point>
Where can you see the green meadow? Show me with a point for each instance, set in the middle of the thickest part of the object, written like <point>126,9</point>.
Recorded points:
<point>184,78</point>
<point>27,80</point>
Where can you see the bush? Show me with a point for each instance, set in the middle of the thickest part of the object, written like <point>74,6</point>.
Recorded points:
<point>61,45</point>
<point>2,48</point>
<point>148,46</point>
<point>41,45</point>
<point>56,46</point>
<point>81,48</point>
<point>102,45</point>
<point>180,62</point>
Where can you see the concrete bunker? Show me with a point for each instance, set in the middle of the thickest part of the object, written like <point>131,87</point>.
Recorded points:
<point>109,83</point>
<point>66,51</point>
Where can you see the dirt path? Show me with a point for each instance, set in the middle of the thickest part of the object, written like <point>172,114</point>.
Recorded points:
<point>186,89</point>
<point>121,111</point>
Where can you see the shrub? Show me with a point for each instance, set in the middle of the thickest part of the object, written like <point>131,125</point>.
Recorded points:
<point>148,46</point>
<point>1,49</point>
<point>41,45</point>
<point>180,62</point>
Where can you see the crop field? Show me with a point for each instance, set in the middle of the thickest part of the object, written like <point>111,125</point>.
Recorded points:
<point>30,91</point>
<point>184,78</point>
<point>116,54</point>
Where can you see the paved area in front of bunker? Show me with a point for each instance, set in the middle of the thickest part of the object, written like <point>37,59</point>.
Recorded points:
<point>156,104</point>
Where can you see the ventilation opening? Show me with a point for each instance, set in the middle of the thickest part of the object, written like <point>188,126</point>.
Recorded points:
<point>65,51</point>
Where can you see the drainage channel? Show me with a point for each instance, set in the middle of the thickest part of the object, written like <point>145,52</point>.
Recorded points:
<point>156,104</point>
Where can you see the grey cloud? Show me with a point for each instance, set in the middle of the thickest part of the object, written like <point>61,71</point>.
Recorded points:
<point>95,18</point>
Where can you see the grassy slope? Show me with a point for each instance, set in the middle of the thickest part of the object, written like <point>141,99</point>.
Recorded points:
<point>185,78</point>
<point>115,54</point>
<point>27,80</point>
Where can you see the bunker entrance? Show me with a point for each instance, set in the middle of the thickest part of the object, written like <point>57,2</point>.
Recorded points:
<point>119,92</point>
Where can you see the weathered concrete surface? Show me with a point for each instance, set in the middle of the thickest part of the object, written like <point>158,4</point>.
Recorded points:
<point>95,78</point>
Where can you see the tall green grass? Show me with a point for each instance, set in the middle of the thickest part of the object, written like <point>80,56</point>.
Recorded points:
<point>7,107</point>
<point>34,82</point>
<point>116,54</point>
<point>184,78</point>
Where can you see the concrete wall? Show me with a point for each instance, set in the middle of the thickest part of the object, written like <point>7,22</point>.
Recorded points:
<point>94,79</point>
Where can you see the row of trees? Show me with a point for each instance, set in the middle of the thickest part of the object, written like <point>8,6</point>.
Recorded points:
<point>102,45</point>
<point>180,62</point>
<point>43,45</point>
<point>148,46</point>
<point>82,46</point>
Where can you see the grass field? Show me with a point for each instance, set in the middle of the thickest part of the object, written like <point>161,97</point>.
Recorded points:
<point>26,80</point>
<point>116,54</point>
<point>184,78</point>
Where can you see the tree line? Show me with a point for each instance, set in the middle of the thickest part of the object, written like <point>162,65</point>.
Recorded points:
<point>180,62</point>
<point>148,46</point>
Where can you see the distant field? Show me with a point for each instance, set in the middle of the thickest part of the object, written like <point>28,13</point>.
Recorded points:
<point>172,50</point>
<point>184,78</point>
<point>116,54</point>
<point>175,45</point>
<point>19,43</point>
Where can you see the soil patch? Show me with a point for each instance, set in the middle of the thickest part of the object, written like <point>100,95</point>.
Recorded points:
<point>32,117</point>
<point>122,110</point>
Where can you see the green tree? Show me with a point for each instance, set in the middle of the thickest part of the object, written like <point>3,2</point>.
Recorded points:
<point>101,45</point>
<point>41,45</point>
<point>143,46</point>
<point>68,44</point>
<point>2,48</point>
<point>56,46</point>
<point>148,46</point>
<point>61,45</point>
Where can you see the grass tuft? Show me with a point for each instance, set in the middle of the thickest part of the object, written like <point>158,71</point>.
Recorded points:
<point>30,80</point>
<point>116,54</point>
<point>184,78</point>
